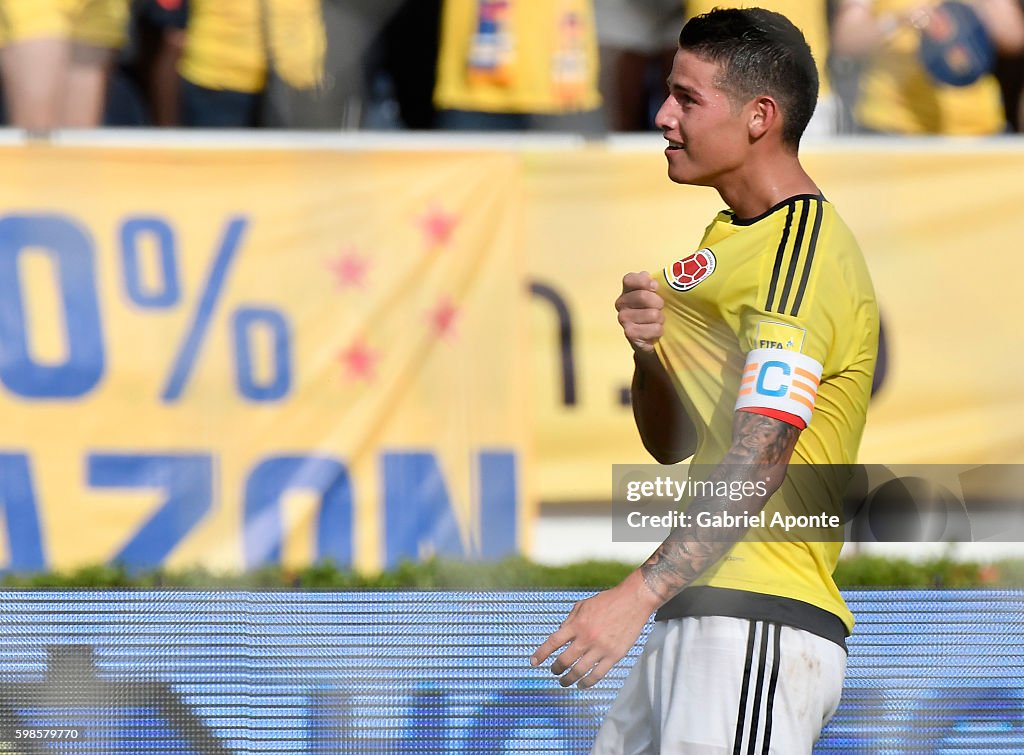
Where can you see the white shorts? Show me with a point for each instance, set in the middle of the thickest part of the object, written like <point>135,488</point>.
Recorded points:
<point>717,686</point>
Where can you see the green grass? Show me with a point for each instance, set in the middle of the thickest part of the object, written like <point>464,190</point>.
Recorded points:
<point>508,574</point>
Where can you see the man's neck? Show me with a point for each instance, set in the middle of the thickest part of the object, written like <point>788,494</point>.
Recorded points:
<point>759,187</point>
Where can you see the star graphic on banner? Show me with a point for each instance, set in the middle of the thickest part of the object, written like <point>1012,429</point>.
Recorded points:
<point>442,317</point>
<point>438,225</point>
<point>360,361</point>
<point>349,268</point>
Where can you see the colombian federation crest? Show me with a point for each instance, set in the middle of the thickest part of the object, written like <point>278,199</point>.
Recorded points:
<point>689,271</point>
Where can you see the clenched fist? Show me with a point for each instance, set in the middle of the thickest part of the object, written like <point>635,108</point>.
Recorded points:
<point>641,312</point>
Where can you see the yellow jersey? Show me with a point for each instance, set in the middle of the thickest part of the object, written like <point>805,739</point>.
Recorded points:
<point>896,94</point>
<point>228,41</point>
<point>101,23</point>
<point>787,293</point>
<point>518,56</point>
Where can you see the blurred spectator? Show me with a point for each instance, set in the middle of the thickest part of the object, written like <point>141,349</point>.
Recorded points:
<point>518,64</point>
<point>811,17</point>
<point>1009,71</point>
<point>340,101</point>
<point>232,48</point>
<point>162,27</point>
<point>896,94</point>
<point>638,39</point>
<point>56,59</point>
<point>405,56</point>
<point>144,89</point>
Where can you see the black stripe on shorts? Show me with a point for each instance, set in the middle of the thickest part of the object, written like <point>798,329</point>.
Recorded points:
<point>759,688</point>
<point>772,684</point>
<point>741,717</point>
<point>749,723</point>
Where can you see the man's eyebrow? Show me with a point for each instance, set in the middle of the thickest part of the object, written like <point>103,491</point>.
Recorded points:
<point>676,87</point>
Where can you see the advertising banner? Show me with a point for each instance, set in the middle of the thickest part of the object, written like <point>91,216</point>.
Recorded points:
<point>237,358</point>
<point>253,356</point>
<point>234,673</point>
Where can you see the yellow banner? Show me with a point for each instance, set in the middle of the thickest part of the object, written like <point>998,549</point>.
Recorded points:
<point>939,227</point>
<point>248,357</point>
<point>259,356</point>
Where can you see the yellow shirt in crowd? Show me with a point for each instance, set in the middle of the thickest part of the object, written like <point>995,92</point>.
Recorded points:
<point>228,40</point>
<point>101,23</point>
<point>898,96</point>
<point>518,56</point>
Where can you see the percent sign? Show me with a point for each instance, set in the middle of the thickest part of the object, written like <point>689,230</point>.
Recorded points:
<point>246,322</point>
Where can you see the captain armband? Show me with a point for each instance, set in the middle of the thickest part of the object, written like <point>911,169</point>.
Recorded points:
<point>780,384</point>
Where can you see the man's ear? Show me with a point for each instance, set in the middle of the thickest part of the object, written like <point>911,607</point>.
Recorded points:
<point>764,115</point>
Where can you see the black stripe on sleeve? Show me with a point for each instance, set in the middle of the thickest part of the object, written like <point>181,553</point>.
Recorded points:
<point>742,716</point>
<point>763,662</point>
<point>794,258</point>
<point>772,684</point>
<point>779,254</point>
<point>807,264</point>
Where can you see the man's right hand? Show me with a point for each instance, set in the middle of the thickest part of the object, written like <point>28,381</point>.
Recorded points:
<point>640,311</point>
<point>665,428</point>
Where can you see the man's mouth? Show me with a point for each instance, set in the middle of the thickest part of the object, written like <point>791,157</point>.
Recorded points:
<point>675,145</point>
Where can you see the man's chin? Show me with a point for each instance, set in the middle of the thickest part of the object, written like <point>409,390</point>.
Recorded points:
<point>680,175</point>
<point>677,176</point>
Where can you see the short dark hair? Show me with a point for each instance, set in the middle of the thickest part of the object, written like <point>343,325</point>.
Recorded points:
<point>759,52</point>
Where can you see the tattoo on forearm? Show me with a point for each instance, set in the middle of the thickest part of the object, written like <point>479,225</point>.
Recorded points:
<point>761,448</point>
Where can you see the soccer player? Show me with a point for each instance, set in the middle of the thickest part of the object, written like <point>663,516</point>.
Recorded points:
<point>754,354</point>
